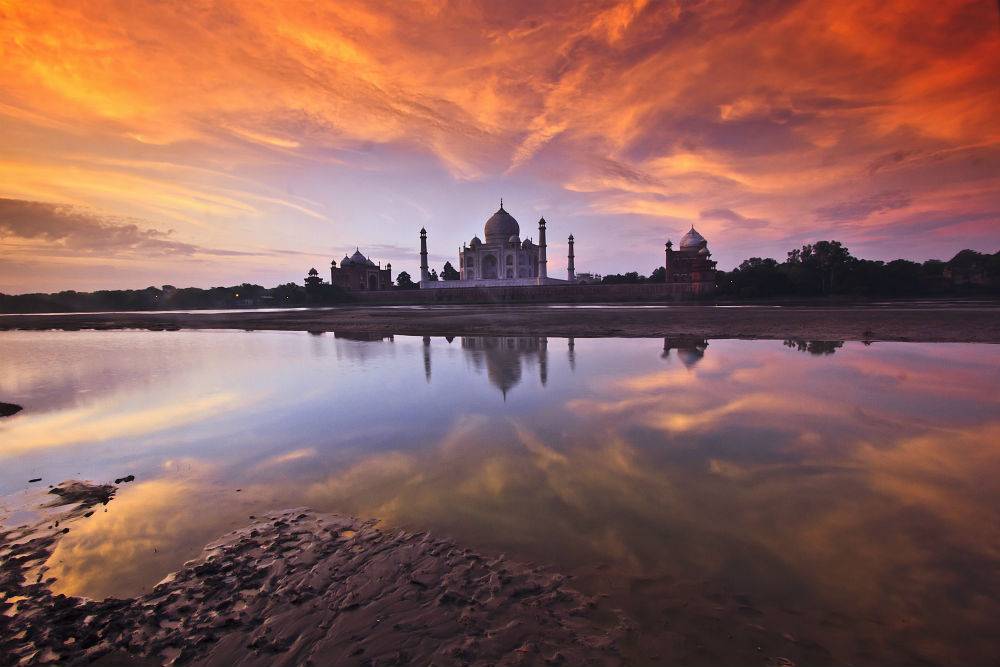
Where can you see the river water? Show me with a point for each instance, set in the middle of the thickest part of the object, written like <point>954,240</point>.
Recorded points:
<point>846,493</point>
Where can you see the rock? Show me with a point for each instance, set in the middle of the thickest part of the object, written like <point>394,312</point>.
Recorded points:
<point>83,494</point>
<point>8,409</point>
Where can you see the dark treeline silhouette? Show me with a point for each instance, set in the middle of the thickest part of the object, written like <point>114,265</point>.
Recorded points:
<point>171,298</point>
<point>404,281</point>
<point>824,268</point>
<point>658,275</point>
<point>815,347</point>
<point>827,268</point>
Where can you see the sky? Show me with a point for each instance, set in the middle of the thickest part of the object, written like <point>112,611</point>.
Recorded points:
<point>206,143</point>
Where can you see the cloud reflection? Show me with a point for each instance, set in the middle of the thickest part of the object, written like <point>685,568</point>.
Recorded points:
<point>853,491</point>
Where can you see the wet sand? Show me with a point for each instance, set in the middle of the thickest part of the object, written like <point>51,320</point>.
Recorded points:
<point>927,321</point>
<point>297,587</point>
<point>300,588</point>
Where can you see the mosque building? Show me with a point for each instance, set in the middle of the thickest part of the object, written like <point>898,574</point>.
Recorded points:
<point>500,259</point>
<point>360,273</point>
<point>691,263</point>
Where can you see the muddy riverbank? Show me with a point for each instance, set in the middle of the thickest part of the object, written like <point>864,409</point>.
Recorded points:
<point>928,321</point>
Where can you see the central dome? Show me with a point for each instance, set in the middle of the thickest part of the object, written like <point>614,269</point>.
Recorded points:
<point>501,226</point>
<point>692,240</point>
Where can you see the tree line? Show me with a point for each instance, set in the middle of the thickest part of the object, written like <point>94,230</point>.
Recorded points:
<point>169,297</point>
<point>824,268</point>
<point>827,268</point>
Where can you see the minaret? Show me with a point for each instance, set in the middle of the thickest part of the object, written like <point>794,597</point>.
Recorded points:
<point>570,270</point>
<point>543,271</point>
<point>666,263</point>
<point>543,360</point>
<point>333,270</point>
<point>427,358</point>
<point>424,273</point>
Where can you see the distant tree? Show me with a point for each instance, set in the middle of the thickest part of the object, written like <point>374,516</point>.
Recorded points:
<point>404,281</point>
<point>433,275</point>
<point>933,268</point>
<point>658,275</point>
<point>973,270</point>
<point>757,277</point>
<point>815,347</point>
<point>818,266</point>
<point>289,294</point>
<point>449,272</point>
<point>629,278</point>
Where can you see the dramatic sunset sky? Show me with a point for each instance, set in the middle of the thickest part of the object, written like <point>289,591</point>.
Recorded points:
<point>212,142</point>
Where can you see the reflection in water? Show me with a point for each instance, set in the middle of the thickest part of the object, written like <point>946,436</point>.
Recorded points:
<point>815,347</point>
<point>427,358</point>
<point>504,357</point>
<point>850,499</point>
<point>690,349</point>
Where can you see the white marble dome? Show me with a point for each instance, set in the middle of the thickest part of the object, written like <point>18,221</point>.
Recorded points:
<point>692,240</point>
<point>501,226</point>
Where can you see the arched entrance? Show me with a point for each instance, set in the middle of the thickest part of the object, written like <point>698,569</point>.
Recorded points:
<point>489,269</point>
<point>372,282</point>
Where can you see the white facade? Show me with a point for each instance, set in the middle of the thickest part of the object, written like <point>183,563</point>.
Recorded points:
<point>501,260</point>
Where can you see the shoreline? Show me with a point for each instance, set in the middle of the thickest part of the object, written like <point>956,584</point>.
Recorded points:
<point>298,587</point>
<point>923,321</point>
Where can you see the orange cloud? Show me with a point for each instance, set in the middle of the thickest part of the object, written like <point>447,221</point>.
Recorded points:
<point>771,111</point>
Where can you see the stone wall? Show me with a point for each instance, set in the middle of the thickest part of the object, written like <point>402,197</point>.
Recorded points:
<point>491,283</point>
<point>542,294</point>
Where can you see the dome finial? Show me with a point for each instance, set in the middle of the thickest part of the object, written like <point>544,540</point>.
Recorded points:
<point>501,202</point>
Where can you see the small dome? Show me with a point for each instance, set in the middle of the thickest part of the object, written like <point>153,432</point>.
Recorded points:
<point>692,240</point>
<point>527,244</point>
<point>704,251</point>
<point>514,239</point>
<point>345,262</point>
<point>500,226</point>
<point>689,356</point>
<point>476,241</point>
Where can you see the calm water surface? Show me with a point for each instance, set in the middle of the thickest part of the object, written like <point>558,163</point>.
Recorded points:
<point>847,492</point>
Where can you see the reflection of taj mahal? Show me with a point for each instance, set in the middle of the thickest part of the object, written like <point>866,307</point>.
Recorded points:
<point>502,259</point>
<point>506,359</point>
<point>503,358</point>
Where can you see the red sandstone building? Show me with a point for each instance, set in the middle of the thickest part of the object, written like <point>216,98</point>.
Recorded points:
<point>691,263</point>
<point>359,273</point>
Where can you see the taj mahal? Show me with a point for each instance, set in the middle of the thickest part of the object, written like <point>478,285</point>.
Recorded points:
<point>500,259</point>
<point>503,259</point>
